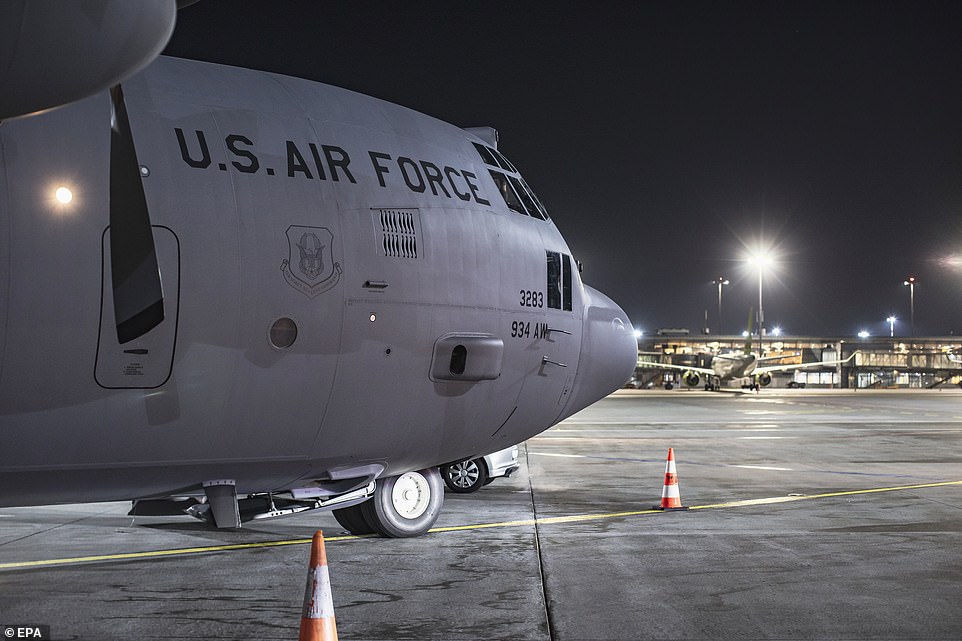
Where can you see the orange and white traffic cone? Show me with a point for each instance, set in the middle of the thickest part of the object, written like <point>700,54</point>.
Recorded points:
<point>670,496</point>
<point>317,618</point>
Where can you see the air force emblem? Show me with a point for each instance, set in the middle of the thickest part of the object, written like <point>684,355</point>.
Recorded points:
<point>310,267</point>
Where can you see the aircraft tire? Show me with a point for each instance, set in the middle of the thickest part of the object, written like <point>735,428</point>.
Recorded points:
<point>406,505</point>
<point>352,519</point>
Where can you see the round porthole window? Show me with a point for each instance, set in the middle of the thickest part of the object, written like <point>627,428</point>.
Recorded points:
<point>283,333</point>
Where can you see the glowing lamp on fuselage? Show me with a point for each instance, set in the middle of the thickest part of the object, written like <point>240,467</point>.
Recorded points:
<point>63,195</point>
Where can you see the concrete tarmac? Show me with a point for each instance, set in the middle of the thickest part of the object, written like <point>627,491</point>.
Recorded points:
<point>814,515</point>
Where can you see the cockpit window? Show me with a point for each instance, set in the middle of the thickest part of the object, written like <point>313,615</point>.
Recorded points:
<point>503,161</point>
<point>522,194</point>
<point>517,195</point>
<point>485,154</point>
<point>526,197</point>
<point>507,192</point>
<point>537,201</point>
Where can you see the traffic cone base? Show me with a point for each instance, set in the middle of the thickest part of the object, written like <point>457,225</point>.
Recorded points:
<point>318,629</point>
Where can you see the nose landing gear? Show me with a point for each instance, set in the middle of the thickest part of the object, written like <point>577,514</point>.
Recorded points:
<point>402,506</point>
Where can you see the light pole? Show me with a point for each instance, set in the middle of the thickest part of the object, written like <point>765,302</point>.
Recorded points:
<point>761,310</point>
<point>911,281</point>
<point>721,280</point>
<point>891,321</point>
<point>760,259</point>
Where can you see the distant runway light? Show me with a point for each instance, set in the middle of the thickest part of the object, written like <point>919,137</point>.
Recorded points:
<point>863,334</point>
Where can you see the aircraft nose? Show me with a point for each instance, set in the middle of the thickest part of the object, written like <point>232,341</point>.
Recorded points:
<point>609,352</point>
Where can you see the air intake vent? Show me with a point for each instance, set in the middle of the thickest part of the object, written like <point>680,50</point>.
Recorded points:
<point>398,232</point>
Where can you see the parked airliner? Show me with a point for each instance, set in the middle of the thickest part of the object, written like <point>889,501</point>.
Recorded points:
<point>743,365</point>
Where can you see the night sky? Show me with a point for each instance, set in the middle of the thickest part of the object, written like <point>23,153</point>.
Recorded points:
<point>667,138</point>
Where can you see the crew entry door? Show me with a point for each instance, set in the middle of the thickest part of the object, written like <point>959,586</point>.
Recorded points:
<point>561,342</point>
<point>552,344</point>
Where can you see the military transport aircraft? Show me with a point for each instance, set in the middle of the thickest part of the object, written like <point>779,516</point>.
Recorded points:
<point>733,366</point>
<point>239,295</point>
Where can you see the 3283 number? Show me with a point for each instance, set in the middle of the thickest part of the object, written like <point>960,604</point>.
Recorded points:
<point>531,298</point>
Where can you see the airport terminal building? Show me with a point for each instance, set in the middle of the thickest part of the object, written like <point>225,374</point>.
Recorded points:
<point>879,362</point>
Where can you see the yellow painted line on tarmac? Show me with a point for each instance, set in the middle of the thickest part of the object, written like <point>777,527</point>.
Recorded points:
<point>162,553</point>
<point>551,520</point>
<point>764,467</point>
<point>825,495</point>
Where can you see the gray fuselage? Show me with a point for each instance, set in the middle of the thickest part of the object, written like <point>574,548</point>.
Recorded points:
<point>345,289</point>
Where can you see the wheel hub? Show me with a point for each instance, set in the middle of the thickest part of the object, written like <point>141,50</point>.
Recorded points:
<point>411,495</point>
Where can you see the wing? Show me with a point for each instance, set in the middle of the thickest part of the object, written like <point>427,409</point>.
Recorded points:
<point>729,357</point>
<point>772,358</point>
<point>794,366</point>
<point>683,368</point>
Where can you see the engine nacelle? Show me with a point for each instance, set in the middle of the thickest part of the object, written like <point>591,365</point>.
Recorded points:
<point>691,378</point>
<point>764,379</point>
<point>58,52</point>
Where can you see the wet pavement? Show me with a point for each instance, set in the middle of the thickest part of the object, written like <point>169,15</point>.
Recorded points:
<point>814,515</point>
